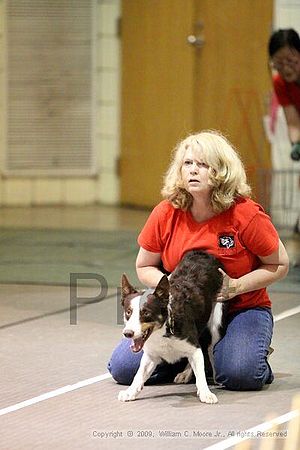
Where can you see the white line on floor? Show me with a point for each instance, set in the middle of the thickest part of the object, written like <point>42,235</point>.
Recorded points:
<point>253,431</point>
<point>80,384</point>
<point>51,394</point>
<point>288,313</point>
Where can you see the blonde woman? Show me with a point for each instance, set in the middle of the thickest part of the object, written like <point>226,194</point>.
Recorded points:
<point>207,206</point>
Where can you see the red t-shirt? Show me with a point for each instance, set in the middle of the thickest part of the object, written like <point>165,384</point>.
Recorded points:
<point>287,93</point>
<point>234,236</point>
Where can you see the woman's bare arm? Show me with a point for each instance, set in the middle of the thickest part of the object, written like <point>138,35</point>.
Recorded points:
<point>273,268</point>
<point>147,267</point>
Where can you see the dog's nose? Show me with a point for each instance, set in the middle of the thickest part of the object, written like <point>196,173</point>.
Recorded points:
<point>128,333</point>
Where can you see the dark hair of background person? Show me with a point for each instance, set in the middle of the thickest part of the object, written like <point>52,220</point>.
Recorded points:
<point>282,38</point>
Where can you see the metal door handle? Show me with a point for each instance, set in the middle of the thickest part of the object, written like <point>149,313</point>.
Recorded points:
<point>196,41</point>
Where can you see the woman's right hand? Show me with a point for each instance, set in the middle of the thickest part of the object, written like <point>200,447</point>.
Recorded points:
<point>229,288</point>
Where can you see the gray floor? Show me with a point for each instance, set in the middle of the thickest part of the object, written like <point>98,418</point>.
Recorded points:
<point>46,256</point>
<point>42,352</point>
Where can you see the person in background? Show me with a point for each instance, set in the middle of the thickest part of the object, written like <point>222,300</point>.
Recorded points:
<point>284,53</point>
<point>207,206</point>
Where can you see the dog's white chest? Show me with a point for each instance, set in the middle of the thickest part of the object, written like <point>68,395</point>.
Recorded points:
<point>171,349</point>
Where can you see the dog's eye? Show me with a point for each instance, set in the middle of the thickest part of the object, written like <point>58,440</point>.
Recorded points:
<point>128,313</point>
<point>146,315</point>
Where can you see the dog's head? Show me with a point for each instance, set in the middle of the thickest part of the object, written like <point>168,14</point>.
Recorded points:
<point>144,311</point>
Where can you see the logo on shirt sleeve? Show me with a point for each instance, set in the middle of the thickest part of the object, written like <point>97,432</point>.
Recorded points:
<point>226,241</point>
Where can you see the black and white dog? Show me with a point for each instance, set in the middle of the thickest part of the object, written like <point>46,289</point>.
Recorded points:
<point>167,322</point>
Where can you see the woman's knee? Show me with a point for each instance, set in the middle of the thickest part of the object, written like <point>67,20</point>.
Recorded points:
<point>245,377</point>
<point>241,357</point>
<point>236,381</point>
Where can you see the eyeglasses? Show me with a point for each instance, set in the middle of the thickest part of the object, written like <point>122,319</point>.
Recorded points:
<point>279,65</point>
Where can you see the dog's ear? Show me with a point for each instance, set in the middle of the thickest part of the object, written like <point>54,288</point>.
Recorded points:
<point>162,289</point>
<point>127,288</point>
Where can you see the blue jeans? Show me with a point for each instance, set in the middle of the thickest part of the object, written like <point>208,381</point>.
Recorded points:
<point>240,357</point>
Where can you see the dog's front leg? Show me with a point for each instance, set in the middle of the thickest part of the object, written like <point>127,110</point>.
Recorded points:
<point>216,328</point>
<point>215,337</point>
<point>146,368</point>
<point>197,362</point>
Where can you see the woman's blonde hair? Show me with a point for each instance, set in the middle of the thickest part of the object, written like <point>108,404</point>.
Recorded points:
<point>226,173</point>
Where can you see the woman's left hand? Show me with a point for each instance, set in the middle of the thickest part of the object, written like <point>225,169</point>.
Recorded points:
<point>229,288</point>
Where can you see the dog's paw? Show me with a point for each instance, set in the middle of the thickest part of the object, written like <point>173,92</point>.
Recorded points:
<point>126,396</point>
<point>207,397</point>
<point>183,377</point>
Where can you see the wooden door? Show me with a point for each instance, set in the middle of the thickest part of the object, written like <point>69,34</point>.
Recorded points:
<point>171,88</point>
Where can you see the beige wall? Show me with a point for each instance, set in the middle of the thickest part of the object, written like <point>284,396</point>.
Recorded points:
<point>104,186</point>
<point>287,14</point>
